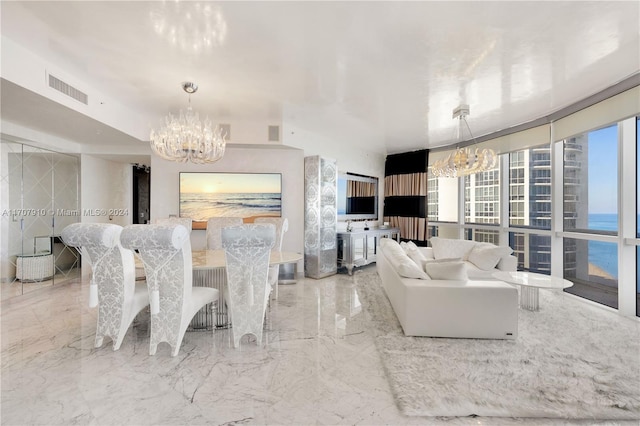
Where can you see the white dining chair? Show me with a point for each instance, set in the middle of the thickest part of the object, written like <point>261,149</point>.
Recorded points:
<point>247,250</point>
<point>113,285</point>
<point>214,225</point>
<point>165,251</point>
<point>282,226</point>
<point>187,222</point>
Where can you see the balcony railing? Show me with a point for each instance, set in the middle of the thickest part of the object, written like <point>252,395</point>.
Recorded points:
<point>571,146</point>
<point>573,164</point>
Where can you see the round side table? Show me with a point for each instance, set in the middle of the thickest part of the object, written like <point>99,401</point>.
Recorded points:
<point>530,283</point>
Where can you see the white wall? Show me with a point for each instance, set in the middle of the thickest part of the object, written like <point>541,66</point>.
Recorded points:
<point>12,132</point>
<point>28,70</point>
<point>106,187</point>
<point>288,161</point>
<point>106,191</point>
<point>330,133</point>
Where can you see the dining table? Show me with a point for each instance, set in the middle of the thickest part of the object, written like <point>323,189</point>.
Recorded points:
<point>209,270</point>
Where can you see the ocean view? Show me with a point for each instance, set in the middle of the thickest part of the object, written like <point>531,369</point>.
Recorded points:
<point>203,205</point>
<point>602,254</point>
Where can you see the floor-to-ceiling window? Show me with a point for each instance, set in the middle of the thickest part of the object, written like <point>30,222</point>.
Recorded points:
<point>565,197</point>
<point>590,178</point>
<point>530,208</point>
<point>638,216</point>
<point>482,205</point>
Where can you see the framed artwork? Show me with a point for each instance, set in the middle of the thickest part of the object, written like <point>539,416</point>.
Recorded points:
<point>220,194</point>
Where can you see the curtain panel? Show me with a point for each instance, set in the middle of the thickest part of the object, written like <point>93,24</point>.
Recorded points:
<point>405,194</point>
<point>356,188</point>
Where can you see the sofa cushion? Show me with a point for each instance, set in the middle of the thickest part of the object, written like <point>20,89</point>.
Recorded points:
<point>486,256</point>
<point>401,261</point>
<point>453,271</point>
<point>476,273</point>
<point>446,259</point>
<point>446,248</point>
<point>443,260</point>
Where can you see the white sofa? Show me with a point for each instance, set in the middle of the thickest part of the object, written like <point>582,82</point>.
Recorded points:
<point>479,258</point>
<point>486,309</point>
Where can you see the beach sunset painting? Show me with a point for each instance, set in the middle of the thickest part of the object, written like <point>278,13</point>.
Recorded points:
<point>246,195</point>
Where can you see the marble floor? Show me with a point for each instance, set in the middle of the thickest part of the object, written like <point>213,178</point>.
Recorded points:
<point>17,288</point>
<point>317,365</point>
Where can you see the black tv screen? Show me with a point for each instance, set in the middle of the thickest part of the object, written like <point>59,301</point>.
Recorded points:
<point>361,205</point>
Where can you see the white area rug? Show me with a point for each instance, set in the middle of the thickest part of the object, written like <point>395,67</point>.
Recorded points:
<point>570,361</point>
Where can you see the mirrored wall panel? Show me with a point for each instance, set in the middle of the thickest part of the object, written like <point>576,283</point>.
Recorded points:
<point>39,197</point>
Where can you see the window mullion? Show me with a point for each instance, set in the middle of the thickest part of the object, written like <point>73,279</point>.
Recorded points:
<point>627,216</point>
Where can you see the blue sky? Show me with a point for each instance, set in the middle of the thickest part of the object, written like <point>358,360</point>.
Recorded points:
<point>230,182</point>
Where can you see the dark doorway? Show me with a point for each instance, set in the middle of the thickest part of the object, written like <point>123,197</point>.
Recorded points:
<point>141,193</point>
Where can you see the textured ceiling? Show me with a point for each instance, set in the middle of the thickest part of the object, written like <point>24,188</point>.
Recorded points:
<point>399,68</point>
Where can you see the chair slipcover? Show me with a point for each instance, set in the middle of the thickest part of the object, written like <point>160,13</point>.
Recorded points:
<point>214,225</point>
<point>247,249</point>
<point>113,287</point>
<point>165,251</point>
<point>282,226</point>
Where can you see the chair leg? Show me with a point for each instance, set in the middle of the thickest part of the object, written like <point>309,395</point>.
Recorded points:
<point>267,316</point>
<point>99,341</point>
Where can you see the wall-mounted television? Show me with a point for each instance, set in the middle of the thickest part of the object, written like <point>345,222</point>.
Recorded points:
<point>357,197</point>
<point>220,194</point>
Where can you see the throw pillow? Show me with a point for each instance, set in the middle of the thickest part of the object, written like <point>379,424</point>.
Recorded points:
<point>401,262</point>
<point>385,241</point>
<point>454,271</point>
<point>407,268</point>
<point>487,257</point>
<point>414,253</point>
<point>446,248</point>
<point>411,245</point>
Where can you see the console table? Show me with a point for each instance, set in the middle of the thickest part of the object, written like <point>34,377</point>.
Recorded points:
<point>359,247</point>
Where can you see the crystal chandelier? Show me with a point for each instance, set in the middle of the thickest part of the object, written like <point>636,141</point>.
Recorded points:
<point>185,138</point>
<point>468,160</point>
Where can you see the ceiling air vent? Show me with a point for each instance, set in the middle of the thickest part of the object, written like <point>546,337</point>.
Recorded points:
<point>274,134</point>
<point>72,92</point>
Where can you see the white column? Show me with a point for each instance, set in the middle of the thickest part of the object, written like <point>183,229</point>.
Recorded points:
<point>504,199</point>
<point>557,205</point>
<point>627,217</point>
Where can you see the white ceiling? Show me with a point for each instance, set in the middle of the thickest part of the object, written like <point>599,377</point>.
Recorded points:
<point>398,67</point>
